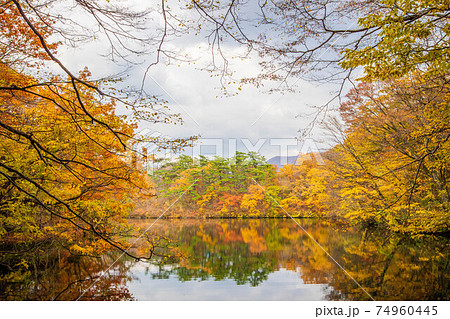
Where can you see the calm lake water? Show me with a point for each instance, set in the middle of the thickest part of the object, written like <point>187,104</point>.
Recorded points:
<point>253,259</point>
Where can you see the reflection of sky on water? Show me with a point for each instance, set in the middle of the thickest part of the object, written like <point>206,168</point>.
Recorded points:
<point>280,285</point>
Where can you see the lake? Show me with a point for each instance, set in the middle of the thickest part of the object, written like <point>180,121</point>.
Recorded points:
<point>248,259</point>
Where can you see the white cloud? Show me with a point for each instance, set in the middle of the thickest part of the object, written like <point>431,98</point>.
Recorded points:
<point>251,114</point>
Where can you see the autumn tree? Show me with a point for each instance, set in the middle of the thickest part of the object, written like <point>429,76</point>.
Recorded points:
<point>234,187</point>
<point>307,189</point>
<point>391,163</point>
<point>64,174</point>
<point>325,40</point>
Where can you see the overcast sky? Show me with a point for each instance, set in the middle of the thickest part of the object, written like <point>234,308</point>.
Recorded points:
<point>251,117</point>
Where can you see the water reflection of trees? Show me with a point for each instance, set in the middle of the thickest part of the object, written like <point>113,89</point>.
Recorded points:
<point>56,275</point>
<point>388,266</point>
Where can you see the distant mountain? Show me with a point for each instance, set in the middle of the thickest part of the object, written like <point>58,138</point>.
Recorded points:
<point>280,161</point>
